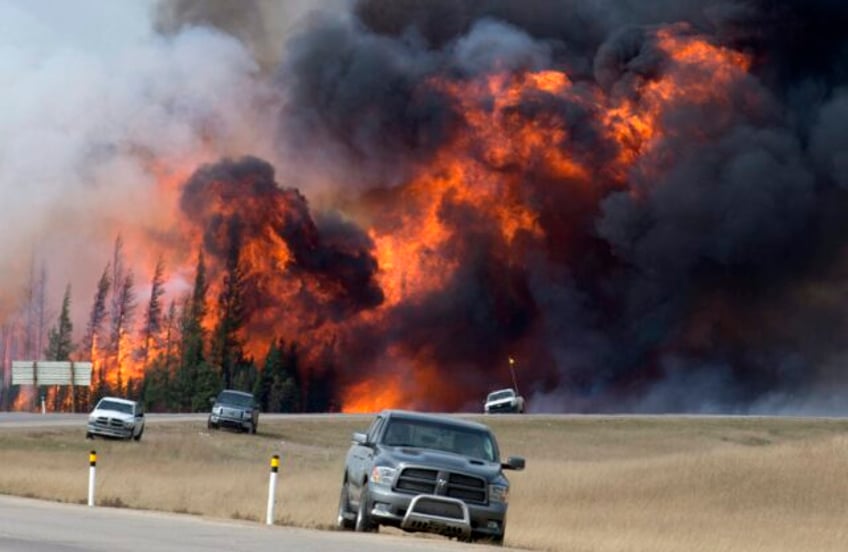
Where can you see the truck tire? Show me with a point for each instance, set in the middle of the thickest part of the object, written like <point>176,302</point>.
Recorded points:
<point>346,519</point>
<point>484,539</point>
<point>364,522</point>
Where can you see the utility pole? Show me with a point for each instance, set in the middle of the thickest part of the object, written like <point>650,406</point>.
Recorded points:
<point>512,372</point>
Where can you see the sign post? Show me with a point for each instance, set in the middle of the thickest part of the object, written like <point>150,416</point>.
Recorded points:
<point>51,372</point>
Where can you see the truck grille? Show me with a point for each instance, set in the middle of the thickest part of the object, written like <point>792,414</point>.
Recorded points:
<point>457,485</point>
<point>438,507</point>
<point>105,422</point>
<point>231,413</point>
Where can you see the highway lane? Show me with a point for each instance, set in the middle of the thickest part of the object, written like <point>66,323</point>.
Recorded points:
<point>10,420</point>
<point>29,420</point>
<point>28,525</point>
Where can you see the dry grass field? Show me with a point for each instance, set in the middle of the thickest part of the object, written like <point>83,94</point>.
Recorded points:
<point>592,484</point>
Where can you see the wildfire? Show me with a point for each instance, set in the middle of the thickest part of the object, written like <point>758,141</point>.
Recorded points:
<point>487,170</point>
<point>511,178</point>
<point>374,395</point>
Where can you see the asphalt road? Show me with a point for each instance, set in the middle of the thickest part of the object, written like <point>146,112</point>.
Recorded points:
<point>10,420</point>
<point>28,525</point>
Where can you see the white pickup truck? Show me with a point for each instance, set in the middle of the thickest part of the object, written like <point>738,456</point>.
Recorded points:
<point>504,400</point>
<point>116,417</point>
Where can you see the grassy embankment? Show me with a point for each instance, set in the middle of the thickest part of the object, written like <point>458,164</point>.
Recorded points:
<point>592,483</point>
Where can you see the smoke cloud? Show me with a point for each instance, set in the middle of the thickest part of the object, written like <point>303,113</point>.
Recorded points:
<point>641,202</point>
<point>676,287</point>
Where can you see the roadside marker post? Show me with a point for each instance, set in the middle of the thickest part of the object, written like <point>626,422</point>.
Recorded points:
<point>272,488</point>
<point>92,466</point>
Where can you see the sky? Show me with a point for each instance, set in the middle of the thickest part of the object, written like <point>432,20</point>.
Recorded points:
<point>96,26</point>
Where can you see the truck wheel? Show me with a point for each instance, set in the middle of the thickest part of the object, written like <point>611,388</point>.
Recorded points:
<point>346,519</point>
<point>484,539</point>
<point>89,435</point>
<point>140,433</point>
<point>364,522</point>
<point>253,428</point>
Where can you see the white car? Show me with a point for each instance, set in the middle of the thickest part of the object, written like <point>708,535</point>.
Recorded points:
<point>503,400</point>
<point>116,417</point>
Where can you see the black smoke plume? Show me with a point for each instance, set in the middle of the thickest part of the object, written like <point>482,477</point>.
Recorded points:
<point>714,283</point>
<point>328,262</point>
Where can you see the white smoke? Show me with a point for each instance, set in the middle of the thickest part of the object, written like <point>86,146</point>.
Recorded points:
<point>81,123</point>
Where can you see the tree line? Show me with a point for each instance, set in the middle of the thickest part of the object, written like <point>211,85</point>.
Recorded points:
<point>168,358</point>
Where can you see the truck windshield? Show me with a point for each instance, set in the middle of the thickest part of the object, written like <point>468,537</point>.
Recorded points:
<point>498,395</point>
<point>235,399</point>
<point>441,436</point>
<point>106,404</point>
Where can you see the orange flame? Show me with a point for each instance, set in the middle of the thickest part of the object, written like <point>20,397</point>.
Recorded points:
<point>482,170</point>
<point>483,166</point>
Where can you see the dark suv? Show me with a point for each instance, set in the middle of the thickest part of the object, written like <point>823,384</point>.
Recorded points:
<point>235,409</point>
<point>430,473</point>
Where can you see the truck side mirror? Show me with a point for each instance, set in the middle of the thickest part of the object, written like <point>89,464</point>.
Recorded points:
<point>360,438</point>
<point>513,463</point>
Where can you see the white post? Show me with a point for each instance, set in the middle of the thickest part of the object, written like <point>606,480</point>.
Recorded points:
<point>92,463</point>
<point>43,406</point>
<point>272,489</point>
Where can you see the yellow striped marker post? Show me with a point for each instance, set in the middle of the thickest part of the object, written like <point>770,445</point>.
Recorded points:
<point>272,488</point>
<point>92,466</point>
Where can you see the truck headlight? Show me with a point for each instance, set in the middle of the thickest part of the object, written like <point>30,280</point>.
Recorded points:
<point>383,475</point>
<point>498,493</point>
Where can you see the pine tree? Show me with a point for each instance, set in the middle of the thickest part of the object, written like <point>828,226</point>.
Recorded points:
<point>207,384</point>
<point>60,338</point>
<point>160,389</point>
<point>92,340</point>
<point>121,310</point>
<point>153,315</point>
<point>277,387</point>
<point>60,346</point>
<point>122,318</point>
<point>290,400</point>
<point>262,388</point>
<point>227,346</point>
<point>192,338</point>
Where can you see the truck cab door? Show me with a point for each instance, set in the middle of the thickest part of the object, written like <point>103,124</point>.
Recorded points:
<point>363,457</point>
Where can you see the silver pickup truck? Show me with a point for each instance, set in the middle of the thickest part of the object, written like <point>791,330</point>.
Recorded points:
<point>423,472</point>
